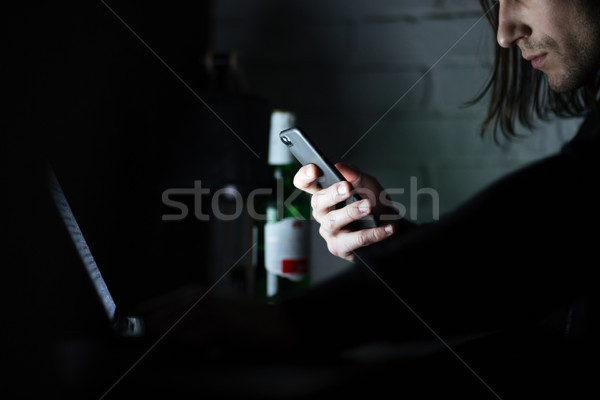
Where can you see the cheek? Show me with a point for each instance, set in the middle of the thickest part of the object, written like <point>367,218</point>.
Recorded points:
<point>556,18</point>
<point>582,40</point>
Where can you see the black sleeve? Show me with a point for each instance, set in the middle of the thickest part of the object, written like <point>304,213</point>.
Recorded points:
<point>510,256</point>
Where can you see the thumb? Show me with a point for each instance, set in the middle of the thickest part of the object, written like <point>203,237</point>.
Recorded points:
<point>350,172</point>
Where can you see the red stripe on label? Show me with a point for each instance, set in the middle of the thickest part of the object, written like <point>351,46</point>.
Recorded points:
<point>299,266</point>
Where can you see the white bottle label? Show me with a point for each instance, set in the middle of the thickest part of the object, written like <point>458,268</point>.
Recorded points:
<point>286,248</point>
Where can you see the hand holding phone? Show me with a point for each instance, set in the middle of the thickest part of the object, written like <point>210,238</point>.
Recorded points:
<point>306,152</point>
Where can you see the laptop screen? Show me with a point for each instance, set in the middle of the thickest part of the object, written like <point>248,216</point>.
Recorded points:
<point>124,326</point>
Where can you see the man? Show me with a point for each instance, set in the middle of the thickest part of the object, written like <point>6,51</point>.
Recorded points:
<point>515,261</point>
<point>554,37</point>
<point>511,267</point>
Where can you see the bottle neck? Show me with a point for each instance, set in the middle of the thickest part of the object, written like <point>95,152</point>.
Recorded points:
<point>288,201</point>
<point>284,172</point>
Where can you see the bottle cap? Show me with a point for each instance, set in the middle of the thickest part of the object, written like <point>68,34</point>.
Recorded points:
<point>279,154</point>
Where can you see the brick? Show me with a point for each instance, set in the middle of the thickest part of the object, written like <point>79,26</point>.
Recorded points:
<point>423,139</point>
<point>269,11</point>
<point>422,42</point>
<point>417,7</point>
<point>458,180</point>
<point>318,10</point>
<point>453,86</point>
<point>278,46</point>
<point>375,90</point>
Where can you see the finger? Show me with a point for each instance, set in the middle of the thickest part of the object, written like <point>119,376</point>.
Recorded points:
<point>337,219</point>
<point>365,185</point>
<point>350,173</point>
<point>350,241</point>
<point>305,178</point>
<point>323,200</point>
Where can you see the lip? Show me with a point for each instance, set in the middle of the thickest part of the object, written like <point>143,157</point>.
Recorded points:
<point>537,60</point>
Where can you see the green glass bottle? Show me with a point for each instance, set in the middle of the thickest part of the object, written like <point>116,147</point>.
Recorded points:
<point>287,227</point>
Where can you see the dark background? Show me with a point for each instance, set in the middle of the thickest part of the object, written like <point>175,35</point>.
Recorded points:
<point>82,94</point>
<point>119,128</point>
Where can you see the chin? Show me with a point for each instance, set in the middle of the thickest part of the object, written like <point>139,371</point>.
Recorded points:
<point>563,84</point>
<point>569,81</point>
<point>560,89</point>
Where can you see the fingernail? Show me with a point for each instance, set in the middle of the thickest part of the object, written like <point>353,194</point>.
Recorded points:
<point>389,229</point>
<point>309,173</point>
<point>342,189</point>
<point>363,207</point>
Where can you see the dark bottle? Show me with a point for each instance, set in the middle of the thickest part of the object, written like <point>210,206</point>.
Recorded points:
<point>285,234</point>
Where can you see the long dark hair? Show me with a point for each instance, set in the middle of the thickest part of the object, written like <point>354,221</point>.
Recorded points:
<point>519,93</point>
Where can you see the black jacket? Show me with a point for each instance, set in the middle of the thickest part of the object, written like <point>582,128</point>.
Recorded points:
<point>515,264</point>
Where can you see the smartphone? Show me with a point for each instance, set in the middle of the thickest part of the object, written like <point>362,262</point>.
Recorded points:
<point>307,152</point>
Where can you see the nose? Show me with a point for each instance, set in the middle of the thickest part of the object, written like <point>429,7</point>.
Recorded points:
<point>511,23</point>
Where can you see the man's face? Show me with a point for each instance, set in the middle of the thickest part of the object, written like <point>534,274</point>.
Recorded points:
<point>560,37</point>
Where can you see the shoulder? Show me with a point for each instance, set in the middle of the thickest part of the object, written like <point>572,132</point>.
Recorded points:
<point>586,143</point>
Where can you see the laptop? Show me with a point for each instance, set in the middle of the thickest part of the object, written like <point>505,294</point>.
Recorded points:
<point>98,365</point>
<point>121,325</point>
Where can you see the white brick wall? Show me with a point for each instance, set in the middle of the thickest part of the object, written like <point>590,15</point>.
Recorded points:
<point>341,64</point>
